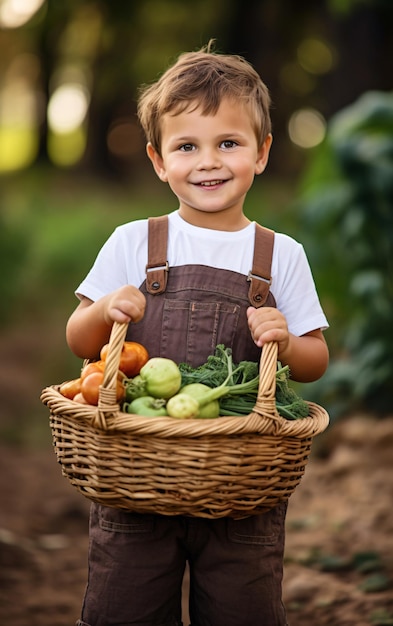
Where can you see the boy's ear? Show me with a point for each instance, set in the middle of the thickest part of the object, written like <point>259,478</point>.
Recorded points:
<point>157,162</point>
<point>263,154</point>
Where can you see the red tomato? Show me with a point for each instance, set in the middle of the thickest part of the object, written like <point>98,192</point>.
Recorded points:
<point>90,388</point>
<point>132,358</point>
<point>70,388</point>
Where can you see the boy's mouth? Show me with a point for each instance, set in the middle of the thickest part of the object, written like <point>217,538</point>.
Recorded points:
<point>210,183</point>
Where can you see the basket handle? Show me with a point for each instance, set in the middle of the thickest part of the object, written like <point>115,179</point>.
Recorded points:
<point>267,378</point>
<point>107,394</point>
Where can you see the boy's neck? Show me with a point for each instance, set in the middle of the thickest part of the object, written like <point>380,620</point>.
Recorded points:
<point>215,221</point>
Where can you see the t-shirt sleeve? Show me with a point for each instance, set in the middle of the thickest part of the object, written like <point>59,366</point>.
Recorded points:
<point>294,289</point>
<point>108,272</point>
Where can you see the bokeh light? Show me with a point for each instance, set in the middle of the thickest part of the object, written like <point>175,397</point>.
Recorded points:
<point>67,149</point>
<point>124,139</point>
<point>15,13</point>
<point>20,112</point>
<point>67,113</point>
<point>307,128</point>
<point>316,56</point>
<point>68,107</point>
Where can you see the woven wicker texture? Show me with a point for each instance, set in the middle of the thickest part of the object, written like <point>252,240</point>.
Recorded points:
<point>229,466</point>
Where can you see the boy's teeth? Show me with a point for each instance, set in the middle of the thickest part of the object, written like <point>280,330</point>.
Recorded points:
<point>210,183</point>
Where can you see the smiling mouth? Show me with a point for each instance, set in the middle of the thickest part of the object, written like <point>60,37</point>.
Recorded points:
<point>210,183</point>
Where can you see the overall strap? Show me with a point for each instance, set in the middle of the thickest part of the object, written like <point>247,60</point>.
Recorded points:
<point>260,276</point>
<point>157,264</point>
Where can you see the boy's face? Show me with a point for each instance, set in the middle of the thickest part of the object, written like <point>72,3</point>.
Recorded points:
<point>210,161</point>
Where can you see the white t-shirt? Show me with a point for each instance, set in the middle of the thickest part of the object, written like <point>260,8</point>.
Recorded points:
<point>122,261</point>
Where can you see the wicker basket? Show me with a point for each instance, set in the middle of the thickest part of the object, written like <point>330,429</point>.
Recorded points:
<point>229,466</point>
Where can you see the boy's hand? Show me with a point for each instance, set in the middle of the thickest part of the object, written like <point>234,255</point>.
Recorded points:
<point>306,355</point>
<point>268,324</point>
<point>126,304</point>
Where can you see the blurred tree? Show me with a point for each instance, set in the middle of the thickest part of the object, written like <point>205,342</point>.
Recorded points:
<point>132,43</point>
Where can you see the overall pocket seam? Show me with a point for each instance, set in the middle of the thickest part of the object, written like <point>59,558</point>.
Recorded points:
<point>125,528</point>
<point>135,525</point>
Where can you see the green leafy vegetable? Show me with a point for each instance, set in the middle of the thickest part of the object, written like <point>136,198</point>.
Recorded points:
<point>289,404</point>
<point>228,387</point>
<point>236,385</point>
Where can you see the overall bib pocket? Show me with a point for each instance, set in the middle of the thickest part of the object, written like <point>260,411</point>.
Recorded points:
<point>204,324</point>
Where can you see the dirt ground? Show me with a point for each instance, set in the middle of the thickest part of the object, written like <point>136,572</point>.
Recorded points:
<point>339,551</point>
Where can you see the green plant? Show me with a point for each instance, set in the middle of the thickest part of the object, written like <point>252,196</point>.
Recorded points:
<point>346,207</point>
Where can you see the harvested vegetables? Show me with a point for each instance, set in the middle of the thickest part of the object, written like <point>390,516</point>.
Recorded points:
<point>238,385</point>
<point>146,405</point>
<point>237,382</point>
<point>161,376</point>
<point>289,404</point>
<point>85,389</point>
<point>210,409</point>
<point>217,368</point>
<point>133,357</point>
<point>216,388</point>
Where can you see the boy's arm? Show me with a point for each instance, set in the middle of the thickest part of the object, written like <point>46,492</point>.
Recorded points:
<point>90,325</point>
<point>307,356</point>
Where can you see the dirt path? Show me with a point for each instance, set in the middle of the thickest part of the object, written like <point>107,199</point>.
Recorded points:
<point>339,554</point>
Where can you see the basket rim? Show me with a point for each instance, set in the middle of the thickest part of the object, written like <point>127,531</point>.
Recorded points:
<point>110,419</point>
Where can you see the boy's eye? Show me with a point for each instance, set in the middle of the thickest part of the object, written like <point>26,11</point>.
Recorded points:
<point>228,143</point>
<point>187,147</point>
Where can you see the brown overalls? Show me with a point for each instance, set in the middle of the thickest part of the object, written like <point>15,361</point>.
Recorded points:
<point>136,562</point>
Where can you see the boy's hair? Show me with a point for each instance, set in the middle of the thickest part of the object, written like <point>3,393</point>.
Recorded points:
<point>204,78</point>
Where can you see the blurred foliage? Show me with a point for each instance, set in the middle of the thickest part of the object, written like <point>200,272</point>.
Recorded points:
<point>52,227</point>
<point>346,204</point>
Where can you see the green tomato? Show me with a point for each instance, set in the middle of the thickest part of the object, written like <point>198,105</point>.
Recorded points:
<point>134,388</point>
<point>162,377</point>
<point>182,406</point>
<point>210,410</point>
<point>146,405</point>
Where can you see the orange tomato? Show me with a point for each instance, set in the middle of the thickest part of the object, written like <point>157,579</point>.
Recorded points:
<point>70,388</point>
<point>94,366</point>
<point>90,388</point>
<point>80,398</point>
<point>132,358</point>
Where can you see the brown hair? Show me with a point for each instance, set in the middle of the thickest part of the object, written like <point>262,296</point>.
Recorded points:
<point>204,78</point>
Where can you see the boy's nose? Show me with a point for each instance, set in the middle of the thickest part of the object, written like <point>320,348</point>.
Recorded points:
<point>209,159</point>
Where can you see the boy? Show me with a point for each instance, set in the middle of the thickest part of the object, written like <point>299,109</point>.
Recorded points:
<point>208,133</point>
